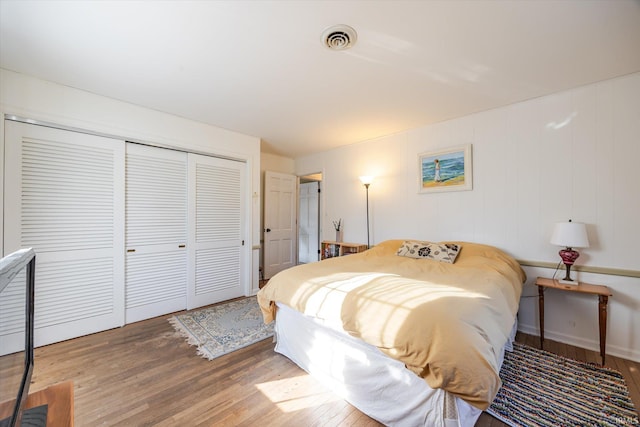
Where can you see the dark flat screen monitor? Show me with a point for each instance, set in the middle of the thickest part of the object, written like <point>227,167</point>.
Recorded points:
<point>17,281</point>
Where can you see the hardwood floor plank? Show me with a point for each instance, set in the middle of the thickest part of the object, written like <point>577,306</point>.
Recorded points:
<point>144,374</point>
<point>571,352</point>
<point>593,357</point>
<point>581,354</point>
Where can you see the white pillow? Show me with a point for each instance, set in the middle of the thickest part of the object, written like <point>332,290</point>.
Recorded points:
<point>444,252</point>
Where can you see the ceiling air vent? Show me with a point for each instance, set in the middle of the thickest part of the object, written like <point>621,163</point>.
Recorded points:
<point>339,37</point>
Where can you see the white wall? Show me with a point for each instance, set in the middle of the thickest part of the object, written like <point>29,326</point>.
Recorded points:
<point>574,154</point>
<point>274,163</point>
<point>39,100</point>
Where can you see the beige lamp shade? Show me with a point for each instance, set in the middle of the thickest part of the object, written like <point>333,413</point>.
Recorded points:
<point>570,234</point>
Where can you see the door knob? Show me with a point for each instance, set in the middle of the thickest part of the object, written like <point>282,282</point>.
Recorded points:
<point>268,230</point>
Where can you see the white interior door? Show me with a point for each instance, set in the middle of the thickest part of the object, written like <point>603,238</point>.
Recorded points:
<point>64,197</point>
<point>216,230</point>
<point>156,232</point>
<point>279,222</point>
<point>308,224</point>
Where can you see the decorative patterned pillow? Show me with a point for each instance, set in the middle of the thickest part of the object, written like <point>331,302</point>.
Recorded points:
<point>444,252</point>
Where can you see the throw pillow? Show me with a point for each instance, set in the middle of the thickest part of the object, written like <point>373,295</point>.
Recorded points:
<point>443,252</point>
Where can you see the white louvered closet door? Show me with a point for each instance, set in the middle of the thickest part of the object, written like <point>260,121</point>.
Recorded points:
<point>156,232</point>
<point>216,224</point>
<point>64,197</point>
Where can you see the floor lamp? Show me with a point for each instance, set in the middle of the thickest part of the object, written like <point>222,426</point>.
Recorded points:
<point>367,180</point>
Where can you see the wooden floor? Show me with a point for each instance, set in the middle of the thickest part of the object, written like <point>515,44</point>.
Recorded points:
<point>145,375</point>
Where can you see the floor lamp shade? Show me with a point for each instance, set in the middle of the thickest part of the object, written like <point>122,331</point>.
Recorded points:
<point>366,180</point>
<point>570,235</point>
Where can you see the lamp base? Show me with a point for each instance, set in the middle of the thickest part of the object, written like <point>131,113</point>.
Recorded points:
<point>568,256</point>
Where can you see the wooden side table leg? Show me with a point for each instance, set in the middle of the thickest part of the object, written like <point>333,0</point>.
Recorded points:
<point>602,310</point>
<point>541,314</point>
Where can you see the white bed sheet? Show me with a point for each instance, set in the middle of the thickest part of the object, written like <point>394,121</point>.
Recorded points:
<point>360,373</point>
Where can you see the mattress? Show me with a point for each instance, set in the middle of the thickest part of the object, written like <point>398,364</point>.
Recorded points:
<point>376,384</point>
<point>445,322</point>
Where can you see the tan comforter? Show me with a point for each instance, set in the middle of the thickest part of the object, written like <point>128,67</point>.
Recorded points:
<point>446,322</point>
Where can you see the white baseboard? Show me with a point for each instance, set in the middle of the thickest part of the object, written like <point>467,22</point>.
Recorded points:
<point>613,350</point>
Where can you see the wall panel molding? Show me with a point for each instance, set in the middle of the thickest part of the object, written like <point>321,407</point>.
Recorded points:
<point>584,268</point>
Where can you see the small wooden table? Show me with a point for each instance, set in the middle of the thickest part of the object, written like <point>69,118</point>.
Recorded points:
<point>58,397</point>
<point>603,298</point>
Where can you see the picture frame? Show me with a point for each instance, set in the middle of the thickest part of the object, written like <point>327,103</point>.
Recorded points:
<point>445,170</point>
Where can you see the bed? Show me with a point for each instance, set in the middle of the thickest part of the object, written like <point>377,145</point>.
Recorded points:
<point>411,333</point>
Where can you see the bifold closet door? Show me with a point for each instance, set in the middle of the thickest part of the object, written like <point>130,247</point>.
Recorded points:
<point>64,197</point>
<point>156,232</point>
<point>216,224</point>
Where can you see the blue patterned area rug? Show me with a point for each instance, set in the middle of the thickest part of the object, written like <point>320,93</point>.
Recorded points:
<point>542,389</point>
<point>223,328</point>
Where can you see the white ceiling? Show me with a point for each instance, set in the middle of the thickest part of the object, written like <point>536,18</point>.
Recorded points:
<point>259,68</point>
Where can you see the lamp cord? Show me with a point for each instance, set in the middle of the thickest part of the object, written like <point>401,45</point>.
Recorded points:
<point>544,289</point>
<point>556,270</point>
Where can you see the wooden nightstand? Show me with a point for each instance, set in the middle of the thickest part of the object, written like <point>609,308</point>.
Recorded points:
<point>603,298</point>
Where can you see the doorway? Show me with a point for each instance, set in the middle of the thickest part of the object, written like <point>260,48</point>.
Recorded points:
<point>309,218</point>
<point>279,222</point>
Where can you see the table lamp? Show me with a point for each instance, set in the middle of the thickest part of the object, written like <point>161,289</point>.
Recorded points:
<point>570,235</point>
